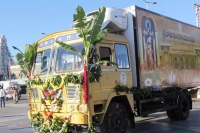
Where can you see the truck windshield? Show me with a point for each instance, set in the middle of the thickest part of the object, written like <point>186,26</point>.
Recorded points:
<point>68,60</point>
<point>42,62</point>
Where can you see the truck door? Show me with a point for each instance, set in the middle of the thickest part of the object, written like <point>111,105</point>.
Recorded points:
<point>101,90</point>
<point>123,75</point>
<point>108,71</point>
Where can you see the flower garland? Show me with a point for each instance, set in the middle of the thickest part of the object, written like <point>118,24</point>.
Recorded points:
<point>57,83</point>
<point>49,95</point>
<point>48,115</point>
<point>46,84</point>
<point>85,93</point>
<point>51,124</point>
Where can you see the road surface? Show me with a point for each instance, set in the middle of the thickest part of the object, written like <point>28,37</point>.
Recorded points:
<point>13,119</point>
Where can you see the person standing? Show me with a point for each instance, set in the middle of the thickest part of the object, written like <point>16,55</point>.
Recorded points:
<point>15,95</point>
<point>2,96</point>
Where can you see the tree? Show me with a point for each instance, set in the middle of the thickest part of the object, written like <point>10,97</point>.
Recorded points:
<point>25,60</point>
<point>89,31</point>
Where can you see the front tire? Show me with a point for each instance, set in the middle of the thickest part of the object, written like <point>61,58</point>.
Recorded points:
<point>115,119</point>
<point>170,114</point>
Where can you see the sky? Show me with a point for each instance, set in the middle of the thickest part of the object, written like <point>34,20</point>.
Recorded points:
<point>23,21</point>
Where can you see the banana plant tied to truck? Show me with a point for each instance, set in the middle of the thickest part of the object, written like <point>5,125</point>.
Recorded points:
<point>113,65</point>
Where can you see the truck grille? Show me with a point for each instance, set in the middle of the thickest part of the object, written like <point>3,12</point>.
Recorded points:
<point>73,94</point>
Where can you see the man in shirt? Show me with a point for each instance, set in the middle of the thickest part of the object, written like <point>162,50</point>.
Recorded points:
<point>2,96</point>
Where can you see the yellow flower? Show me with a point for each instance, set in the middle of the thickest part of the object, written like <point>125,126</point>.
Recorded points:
<point>46,123</point>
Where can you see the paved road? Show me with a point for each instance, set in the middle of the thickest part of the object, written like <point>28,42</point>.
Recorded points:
<point>13,119</point>
<point>160,123</point>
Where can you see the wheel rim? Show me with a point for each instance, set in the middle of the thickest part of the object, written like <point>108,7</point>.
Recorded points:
<point>117,121</point>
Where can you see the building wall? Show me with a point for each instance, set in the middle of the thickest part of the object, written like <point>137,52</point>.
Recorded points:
<point>18,72</point>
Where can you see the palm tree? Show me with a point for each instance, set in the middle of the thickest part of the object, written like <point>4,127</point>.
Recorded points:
<point>25,60</point>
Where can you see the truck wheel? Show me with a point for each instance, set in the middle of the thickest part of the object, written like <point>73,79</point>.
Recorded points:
<point>115,119</point>
<point>183,109</point>
<point>145,115</point>
<point>170,114</point>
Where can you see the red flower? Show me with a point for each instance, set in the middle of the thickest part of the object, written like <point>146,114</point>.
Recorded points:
<point>48,115</point>
<point>47,93</point>
<point>85,93</point>
<point>29,74</point>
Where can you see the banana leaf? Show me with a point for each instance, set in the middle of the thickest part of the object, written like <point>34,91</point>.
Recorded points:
<point>90,32</point>
<point>68,47</point>
<point>95,26</point>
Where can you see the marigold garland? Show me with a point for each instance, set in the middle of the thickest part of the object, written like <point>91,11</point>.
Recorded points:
<point>47,93</point>
<point>48,115</point>
<point>55,84</point>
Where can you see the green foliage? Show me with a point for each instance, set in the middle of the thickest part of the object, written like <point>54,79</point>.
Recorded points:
<point>148,93</point>
<point>42,101</point>
<point>68,47</point>
<point>95,73</point>
<point>73,78</point>
<point>93,129</point>
<point>35,82</point>
<point>95,70</point>
<point>90,31</point>
<point>36,120</point>
<point>51,125</point>
<point>60,102</point>
<point>57,80</point>
<point>54,125</point>
<point>25,60</point>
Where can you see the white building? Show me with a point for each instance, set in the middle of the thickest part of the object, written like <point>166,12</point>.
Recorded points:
<point>4,58</point>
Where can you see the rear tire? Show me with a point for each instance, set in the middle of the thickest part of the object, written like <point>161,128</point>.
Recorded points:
<point>183,109</point>
<point>115,119</point>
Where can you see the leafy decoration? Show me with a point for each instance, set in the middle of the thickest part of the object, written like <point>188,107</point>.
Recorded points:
<point>148,93</point>
<point>73,78</point>
<point>95,70</point>
<point>57,80</point>
<point>55,124</point>
<point>90,31</point>
<point>95,73</point>
<point>60,102</point>
<point>36,81</point>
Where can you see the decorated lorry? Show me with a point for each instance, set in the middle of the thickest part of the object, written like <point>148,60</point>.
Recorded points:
<point>145,63</point>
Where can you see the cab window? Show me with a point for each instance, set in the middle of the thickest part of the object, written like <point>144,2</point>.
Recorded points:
<point>42,62</point>
<point>105,54</point>
<point>68,60</point>
<point>121,54</point>
<point>52,61</point>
